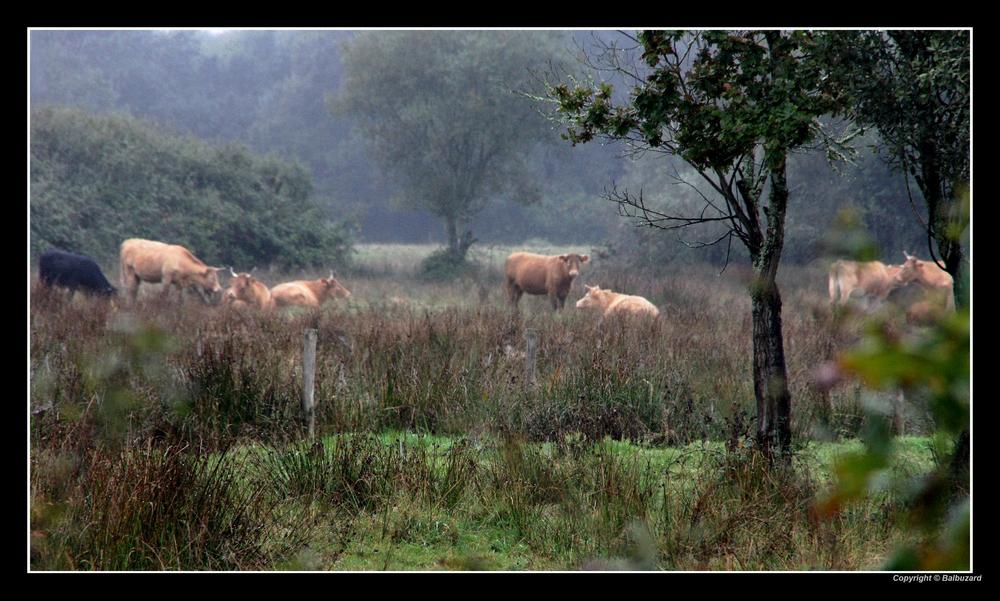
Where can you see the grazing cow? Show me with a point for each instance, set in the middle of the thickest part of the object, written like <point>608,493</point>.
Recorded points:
<point>929,274</point>
<point>871,279</point>
<point>613,303</point>
<point>542,274</point>
<point>76,272</point>
<point>170,264</point>
<point>308,293</point>
<point>246,290</point>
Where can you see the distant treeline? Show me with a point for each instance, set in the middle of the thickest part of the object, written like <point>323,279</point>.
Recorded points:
<point>268,90</point>
<point>99,179</point>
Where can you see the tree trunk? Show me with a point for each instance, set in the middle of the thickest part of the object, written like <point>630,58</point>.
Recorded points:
<point>458,245</point>
<point>451,227</point>
<point>959,468</point>
<point>770,376</point>
<point>952,256</point>
<point>944,214</point>
<point>944,211</point>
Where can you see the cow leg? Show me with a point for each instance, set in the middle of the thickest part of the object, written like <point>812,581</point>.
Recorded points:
<point>514,293</point>
<point>554,299</point>
<point>130,283</point>
<point>169,284</point>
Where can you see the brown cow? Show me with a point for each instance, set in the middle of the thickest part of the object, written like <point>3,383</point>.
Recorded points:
<point>246,290</point>
<point>308,293</point>
<point>169,264</point>
<point>871,279</point>
<point>613,303</point>
<point>542,274</point>
<point>929,274</point>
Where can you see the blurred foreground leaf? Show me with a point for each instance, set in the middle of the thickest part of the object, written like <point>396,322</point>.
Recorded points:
<point>935,361</point>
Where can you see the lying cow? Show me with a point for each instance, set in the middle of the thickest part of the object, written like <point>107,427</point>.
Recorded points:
<point>870,279</point>
<point>169,264</point>
<point>542,274</point>
<point>308,293</point>
<point>613,303</point>
<point>246,290</point>
<point>75,272</point>
<point>929,274</point>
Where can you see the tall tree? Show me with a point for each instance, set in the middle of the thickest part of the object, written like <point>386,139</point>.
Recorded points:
<point>914,88</point>
<point>444,118</point>
<point>733,105</point>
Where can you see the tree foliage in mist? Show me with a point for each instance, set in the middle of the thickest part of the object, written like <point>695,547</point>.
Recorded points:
<point>266,89</point>
<point>444,120</point>
<point>99,179</point>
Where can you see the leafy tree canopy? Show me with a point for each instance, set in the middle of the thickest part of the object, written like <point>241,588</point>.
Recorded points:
<point>444,117</point>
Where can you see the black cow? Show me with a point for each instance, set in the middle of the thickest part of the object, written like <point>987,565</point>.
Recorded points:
<point>75,272</point>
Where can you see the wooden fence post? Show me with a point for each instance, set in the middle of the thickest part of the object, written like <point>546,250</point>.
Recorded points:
<point>898,417</point>
<point>309,380</point>
<point>531,338</point>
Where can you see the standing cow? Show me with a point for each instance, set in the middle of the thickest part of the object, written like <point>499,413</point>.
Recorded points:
<point>871,279</point>
<point>75,272</point>
<point>169,264</point>
<point>542,274</point>
<point>308,293</point>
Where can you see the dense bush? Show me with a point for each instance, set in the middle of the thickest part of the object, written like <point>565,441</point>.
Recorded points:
<point>99,179</point>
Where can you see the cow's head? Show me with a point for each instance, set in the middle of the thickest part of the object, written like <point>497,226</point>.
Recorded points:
<point>594,299</point>
<point>911,270</point>
<point>241,288</point>
<point>206,284</point>
<point>573,262</point>
<point>334,289</point>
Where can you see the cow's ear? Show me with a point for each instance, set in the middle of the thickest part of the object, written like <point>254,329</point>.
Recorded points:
<point>563,258</point>
<point>584,258</point>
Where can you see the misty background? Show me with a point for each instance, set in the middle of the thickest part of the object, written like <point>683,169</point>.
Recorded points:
<point>233,142</point>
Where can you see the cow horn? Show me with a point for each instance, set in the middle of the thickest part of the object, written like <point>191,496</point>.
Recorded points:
<point>231,271</point>
<point>331,274</point>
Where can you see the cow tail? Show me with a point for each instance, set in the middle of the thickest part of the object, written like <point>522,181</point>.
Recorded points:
<point>834,282</point>
<point>123,273</point>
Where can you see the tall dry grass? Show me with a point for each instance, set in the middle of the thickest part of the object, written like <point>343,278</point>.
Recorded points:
<point>454,369</point>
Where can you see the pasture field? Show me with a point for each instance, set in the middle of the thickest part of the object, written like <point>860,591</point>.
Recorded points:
<point>168,436</point>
